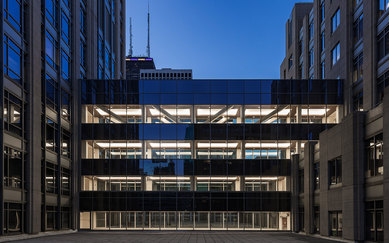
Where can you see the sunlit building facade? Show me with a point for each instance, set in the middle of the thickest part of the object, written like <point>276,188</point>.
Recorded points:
<point>197,154</point>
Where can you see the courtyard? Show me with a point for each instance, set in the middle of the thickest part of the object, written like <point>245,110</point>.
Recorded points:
<point>179,236</point>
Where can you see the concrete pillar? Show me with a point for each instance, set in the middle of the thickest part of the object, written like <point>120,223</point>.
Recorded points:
<point>294,192</point>
<point>33,118</point>
<point>386,165</point>
<point>309,159</point>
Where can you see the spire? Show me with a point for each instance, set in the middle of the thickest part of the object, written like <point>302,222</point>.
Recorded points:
<point>148,30</point>
<point>130,51</point>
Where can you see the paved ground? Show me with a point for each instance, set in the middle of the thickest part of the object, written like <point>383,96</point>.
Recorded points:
<point>178,236</point>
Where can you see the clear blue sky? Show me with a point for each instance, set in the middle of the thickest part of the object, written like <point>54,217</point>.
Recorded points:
<point>216,38</point>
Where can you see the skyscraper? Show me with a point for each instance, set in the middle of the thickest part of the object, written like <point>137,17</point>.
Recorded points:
<point>48,45</point>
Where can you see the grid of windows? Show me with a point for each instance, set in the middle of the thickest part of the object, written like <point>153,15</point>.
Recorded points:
<point>383,7</point>
<point>65,28</point>
<point>383,43</point>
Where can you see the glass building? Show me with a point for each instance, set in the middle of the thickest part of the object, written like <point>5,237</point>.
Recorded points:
<point>197,154</point>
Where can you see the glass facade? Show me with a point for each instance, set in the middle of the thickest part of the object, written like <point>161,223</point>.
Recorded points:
<point>196,154</point>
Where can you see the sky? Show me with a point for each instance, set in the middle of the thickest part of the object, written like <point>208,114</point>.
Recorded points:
<point>217,39</point>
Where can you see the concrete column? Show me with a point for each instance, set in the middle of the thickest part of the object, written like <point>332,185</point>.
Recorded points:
<point>33,118</point>
<point>294,192</point>
<point>386,165</point>
<point>309,159</point>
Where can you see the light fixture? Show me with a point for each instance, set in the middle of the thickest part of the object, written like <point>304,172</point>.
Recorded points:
<point>106,178</point>
<point>217,145</point>
<point>261,178</point>
<point>119,145</point>
<point>267,145</point>
<point>169,145</point>
<point>168,178</point>
<point>233,178</point>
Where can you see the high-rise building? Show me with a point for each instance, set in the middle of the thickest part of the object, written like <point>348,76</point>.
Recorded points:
<point>345,174</point>
<point>48,46</point>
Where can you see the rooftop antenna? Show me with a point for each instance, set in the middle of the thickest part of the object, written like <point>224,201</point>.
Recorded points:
<point>130,52</point>
<point>148,29</point>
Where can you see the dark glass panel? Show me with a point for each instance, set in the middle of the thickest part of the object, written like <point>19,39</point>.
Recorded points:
<point>218,86</point>
<point>235,86</point>
<point>169,86</point>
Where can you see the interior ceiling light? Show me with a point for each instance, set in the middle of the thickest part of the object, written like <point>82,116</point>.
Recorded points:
<point>217,145</point>
<point>119,145</point>
<point>314,112</point>
<point>212,112</point>
<point>170,145</point>
<point>267,145</point>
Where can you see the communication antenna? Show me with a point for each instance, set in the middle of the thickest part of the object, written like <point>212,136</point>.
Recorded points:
<point>148,30</point>
<point>130,52</point>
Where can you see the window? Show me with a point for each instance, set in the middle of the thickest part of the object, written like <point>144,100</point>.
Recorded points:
<point>335,171</point>
<point>51,178</point>
<point>358,101</point>
<point>358,68</point>
<point>322,42</point>
<point>316,176</point>
<point>12,57</point>
<point>65,181</point>
<point>311,30</point>
<point>374,218</point>
<point>13,114</point>
<point>12,12</point>
<point>335,54</point>
<point>51,135</point>
<point>323,69</point>
<point>13,168</point>
<point>311,58</point>
<point>65,105</point>
<point>358,29</point>
<point>375,154</point>
<point>300,47</point>
<point>50,46</point>
<point>290,61</point>
<point>65,28</point>
<point>383,43</point>
<point>82,54</point>
<point>51,93</point>
<point>65,66</point>
<point>383,6</point>
<point>290,31</point>
<point>51,218</point>
<point>382,82</point>
<point>335,21</point>
<point>65,144</point>
<point>51,11</point>
<point>322,11</point>
<point>83,20</point>
<point>356,3</point>
<point>336,223</point>
<point>13,218</point>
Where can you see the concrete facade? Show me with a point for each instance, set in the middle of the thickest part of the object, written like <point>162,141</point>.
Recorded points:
<point>363,65</point>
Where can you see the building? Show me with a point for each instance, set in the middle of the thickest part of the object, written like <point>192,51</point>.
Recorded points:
<point>166,73</point>
<point>48,45</point>
<point>181,154</point>
<point>344,191</point>
<point>135,64</point>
